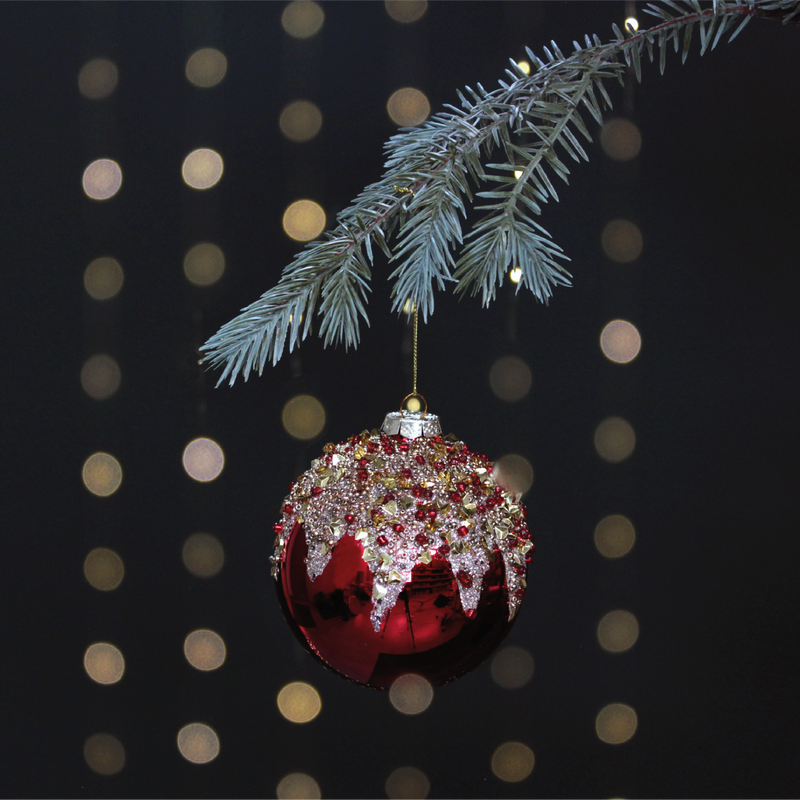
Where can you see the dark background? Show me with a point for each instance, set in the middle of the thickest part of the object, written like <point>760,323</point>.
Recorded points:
<point>713,397</point>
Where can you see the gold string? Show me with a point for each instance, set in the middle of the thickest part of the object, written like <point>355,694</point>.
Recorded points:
<point>416,322</point>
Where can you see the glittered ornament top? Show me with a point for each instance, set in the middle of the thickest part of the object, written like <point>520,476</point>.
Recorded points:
<point>408,496</point>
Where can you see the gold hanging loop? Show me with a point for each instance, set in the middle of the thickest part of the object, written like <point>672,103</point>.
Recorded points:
<point>415,393</point>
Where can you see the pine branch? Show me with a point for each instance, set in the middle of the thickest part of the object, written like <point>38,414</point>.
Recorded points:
<point>530,121</point>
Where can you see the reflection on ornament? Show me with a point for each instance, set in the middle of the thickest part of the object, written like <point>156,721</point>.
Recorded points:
<point>398,553</point>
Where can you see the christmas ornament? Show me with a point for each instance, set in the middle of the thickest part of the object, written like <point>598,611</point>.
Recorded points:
<point>397,552</point>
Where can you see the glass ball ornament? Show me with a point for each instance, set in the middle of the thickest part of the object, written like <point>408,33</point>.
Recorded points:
<point>397,552</point>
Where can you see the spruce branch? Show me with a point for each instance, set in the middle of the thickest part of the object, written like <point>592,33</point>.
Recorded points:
<point>530,121</point>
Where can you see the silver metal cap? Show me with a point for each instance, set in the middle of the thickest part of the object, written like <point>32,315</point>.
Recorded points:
<point>411,424</point>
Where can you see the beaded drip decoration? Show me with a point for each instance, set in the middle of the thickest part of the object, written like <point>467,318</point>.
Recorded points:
<point>409,495</point>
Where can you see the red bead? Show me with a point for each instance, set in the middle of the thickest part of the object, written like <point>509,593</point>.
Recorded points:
<point>371,447</point>
<point>288,508</point>
<point>463,530</point>
<point>439,465</point>
<point>388,448</point>
<point>421,539</point>
<point>316,491</point>
<point>455,497</point>
<point>382,540</point>
<point>399,528</point>
<point>406,472</point>
<point>349,518</point>
<point>277,527</point>
<point>461,487</point>
<point>481,508</point>
<point>464,579</point>
<point>432,513</point>
<point>403,447</point>
<point>363,474</point>
<point>416,491</point>
<point>388,497</point>
<point>420,459</point>
<point>362,462</point>
<point>443,549</point>
<point>419,514</point>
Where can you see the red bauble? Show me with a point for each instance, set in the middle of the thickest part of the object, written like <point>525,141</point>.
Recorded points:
<point>427,632</point>
<point>398,552</point>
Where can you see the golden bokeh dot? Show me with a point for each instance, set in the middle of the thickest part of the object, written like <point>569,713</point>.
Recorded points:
<point>406,11</point>
<point>620,341</point>
<point>298,786</point>
<point>102,474</point>
<point>632,24</point>
<point>614,536</point>
<point>407,783</point>
<point>204,650</point>
<point>515,275</point>
<point>525,66</point>
<point>202,168</point>
<point>512,667</point>
<point>411,694</point>
<point>102,179</point>
<point>206,67</point>
<point>616,723</point>
<point>620,139</point>
<point>303,417</point>
<point>203,459</point>
<point>515,473</point>
<point>103,278</point>
<point>300,121</point>
<point>103,569</point>
<point>198,743</point>
<point>408,107</point>
<point>622,241</point>
<point>513,762</point>
<point>98,79</point>
<point>302,18</point>
<point>203,555</point>
<point>510,378</point>
<point>618,631</point>
<point>299,702</point>
<point>100,376</point>
<point>304,220</point>
<point>204,264</point>
<point>103,663</point>
<point>104,754</point>
<point>614,440</point>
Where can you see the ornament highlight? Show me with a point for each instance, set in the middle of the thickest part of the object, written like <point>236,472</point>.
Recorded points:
<point>397,552</point>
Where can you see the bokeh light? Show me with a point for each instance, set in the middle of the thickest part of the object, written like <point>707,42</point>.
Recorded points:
<point>198,743</point>
<point>203,459</point>
<point>204,264</point>
<point>614,536</point>
<point>299,702</point>
<point>406,11</point>
<point>98,79</point>
<point>620,341</point>
<point>202,168</point>
<point>515,473</point>
<point>616,723</point>
<point>408,107</point>
<point>204,650</point>
<point>104,754</point>
<point>515,275</point>
<point>102,179</point>
<point>103,569</point>
<point>407,783</point>
<point>298,786</point>
<point>512,762</point>
<point>206,67</point>
<point>618,631</point>
<point>303,417</point>
<point>100,376</point>
<point>525,66</point>
<point>614,440</point>
<point>620,139</point>
<point>102,474</point>
<point>622,241</point>
<point>300,121</point>
<point>304,220</point>
<point>411,694</point>
<point>512,667</point>
<point>203,555</point>
<point>103,278</point>
<point>104,663</point>
<point>302,18</point>
<point>510,378</point>
<point>632,24</point>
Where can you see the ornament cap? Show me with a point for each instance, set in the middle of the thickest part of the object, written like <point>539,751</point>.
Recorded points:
<point>411,424</point>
